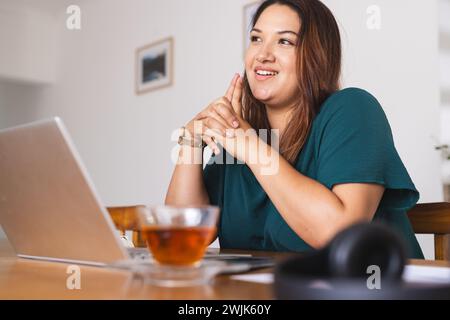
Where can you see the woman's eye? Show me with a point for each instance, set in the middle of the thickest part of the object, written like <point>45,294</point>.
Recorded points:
<point>287,42</point>
<point>282,41</point>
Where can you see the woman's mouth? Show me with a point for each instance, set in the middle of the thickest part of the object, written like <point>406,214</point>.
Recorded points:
<point>262,75</point>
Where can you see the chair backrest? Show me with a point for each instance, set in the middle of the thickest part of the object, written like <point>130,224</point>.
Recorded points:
<point>126,219</point>
<point>433,218</point>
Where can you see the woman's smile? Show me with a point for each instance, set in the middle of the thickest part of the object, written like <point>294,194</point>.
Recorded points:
<point>263,74</point>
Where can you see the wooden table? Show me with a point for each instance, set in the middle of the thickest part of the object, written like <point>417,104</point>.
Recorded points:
<point>28,279</point>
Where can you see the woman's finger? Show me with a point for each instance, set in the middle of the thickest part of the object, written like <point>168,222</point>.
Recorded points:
<point>211,144</point>
<point>215,115</point>
<point>211,123</point>
<point>215,135</point>
<point>225,130</point>
<point>212,119</point>
<point>229,93</point>
<point>211,107</point>
<point>236,100</point>
<point>227,113</point>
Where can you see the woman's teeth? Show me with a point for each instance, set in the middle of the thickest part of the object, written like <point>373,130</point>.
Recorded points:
<point>266,73</point>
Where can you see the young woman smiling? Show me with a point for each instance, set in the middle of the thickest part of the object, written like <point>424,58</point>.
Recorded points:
<point>336,162</point>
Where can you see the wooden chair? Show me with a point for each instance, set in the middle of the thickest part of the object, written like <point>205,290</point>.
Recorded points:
<point>126,219</point>
<point>433,218</point>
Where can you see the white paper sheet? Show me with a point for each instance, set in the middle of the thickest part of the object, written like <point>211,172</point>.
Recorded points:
<point>426,274</point>
<point>422,274</point>
<point>266,278</point>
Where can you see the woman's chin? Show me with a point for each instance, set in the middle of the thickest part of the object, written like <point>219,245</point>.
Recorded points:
<point>262,95</point>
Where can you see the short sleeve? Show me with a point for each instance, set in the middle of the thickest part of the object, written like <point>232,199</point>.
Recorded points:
<point>213,177</point>
<point>356,146</point>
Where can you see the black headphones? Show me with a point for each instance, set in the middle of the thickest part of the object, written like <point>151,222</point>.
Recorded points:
<point>365,261</point>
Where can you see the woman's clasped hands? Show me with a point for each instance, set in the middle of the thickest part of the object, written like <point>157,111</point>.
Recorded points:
<point>222,123</point>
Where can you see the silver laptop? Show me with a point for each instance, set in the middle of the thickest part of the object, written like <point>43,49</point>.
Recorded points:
<point>49,208</point>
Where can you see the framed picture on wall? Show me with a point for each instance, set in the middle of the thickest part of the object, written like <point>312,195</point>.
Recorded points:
<point>248,13</point>
<point>154,66</point>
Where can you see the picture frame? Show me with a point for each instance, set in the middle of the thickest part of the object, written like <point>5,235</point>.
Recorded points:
<point>154,66</point>
<point>248,12</point>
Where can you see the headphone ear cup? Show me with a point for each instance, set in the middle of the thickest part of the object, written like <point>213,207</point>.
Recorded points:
<point>353,250</point>
<point>342,265</point>
<point>310,265</point>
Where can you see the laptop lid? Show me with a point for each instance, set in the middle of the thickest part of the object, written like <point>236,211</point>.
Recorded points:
<point>49,208</point>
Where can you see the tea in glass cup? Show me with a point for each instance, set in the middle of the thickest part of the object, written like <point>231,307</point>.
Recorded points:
<point>178,236</point>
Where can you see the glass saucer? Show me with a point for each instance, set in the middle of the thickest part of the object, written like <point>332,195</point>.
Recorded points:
<point>178,276</point>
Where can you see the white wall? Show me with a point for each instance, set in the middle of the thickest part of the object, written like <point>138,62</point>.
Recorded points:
<point>444,59</point>
<point>17,101</point>
<point>28,38</point>
<point>124,139</point>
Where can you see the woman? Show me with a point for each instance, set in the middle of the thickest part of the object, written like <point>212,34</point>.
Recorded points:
<point>336,164</point>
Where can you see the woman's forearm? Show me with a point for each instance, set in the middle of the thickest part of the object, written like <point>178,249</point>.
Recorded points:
<point>186,187</point>
<point>313,211</point>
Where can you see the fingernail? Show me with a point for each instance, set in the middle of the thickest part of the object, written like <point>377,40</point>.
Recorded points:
<point>229,134</point>
<point>235,124</point>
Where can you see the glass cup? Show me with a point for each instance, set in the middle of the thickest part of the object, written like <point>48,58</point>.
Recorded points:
<point>178,236</point>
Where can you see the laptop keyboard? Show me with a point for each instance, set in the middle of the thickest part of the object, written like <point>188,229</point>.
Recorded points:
<point>139,253</point>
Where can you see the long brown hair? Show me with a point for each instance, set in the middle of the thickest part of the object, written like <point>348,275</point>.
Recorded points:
<point>318,68</point>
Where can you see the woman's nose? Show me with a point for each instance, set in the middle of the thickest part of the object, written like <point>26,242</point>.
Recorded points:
<point>265,54</point>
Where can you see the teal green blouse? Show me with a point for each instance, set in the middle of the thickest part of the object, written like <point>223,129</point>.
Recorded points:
<point>350,141</point>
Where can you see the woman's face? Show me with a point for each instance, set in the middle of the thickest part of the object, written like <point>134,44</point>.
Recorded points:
<point>270,61</point>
